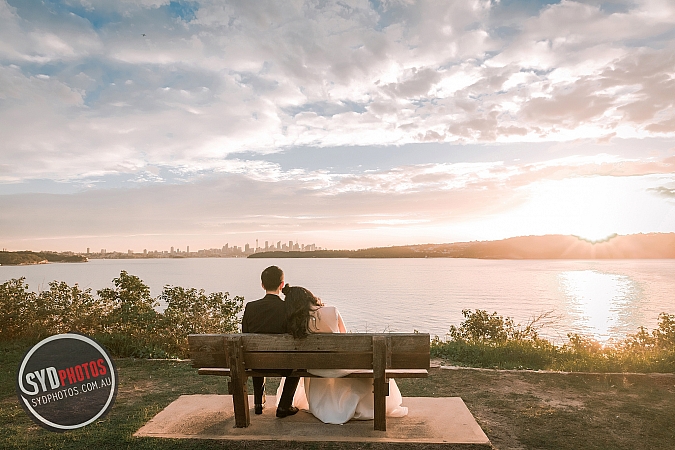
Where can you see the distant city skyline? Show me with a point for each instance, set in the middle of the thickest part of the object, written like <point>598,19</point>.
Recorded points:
<point>147,124</point>
<point>224,250</point>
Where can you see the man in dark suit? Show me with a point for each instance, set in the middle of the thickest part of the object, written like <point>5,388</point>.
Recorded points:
<point>268,315</point>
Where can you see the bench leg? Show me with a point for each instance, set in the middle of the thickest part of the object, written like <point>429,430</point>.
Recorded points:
<point>381,391</point>
<point>380,383</point>
<point>238,379</point>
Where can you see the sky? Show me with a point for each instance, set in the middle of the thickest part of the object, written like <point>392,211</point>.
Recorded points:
<point>348,124</point>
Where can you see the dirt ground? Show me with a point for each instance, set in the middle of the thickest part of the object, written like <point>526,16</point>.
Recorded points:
<point>552,410</point>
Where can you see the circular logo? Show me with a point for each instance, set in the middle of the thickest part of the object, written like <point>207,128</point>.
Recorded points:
<point>66,381</point>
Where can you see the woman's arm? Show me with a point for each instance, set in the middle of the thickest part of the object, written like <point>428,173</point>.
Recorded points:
<point>341,324</point>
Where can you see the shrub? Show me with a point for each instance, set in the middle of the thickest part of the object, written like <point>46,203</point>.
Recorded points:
<point>190,311</point>
<point>66,308</point>
<point>17,309</point>
<point>491,329</point>
<point>123,318</point>
<point>489,340</point>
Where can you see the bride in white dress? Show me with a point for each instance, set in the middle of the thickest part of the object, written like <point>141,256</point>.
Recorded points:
<point>331,399</point>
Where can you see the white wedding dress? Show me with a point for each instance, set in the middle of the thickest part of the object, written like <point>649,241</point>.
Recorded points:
<point>338,400</point>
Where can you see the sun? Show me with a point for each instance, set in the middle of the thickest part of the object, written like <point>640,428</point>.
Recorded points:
<point>596,237</point>
<point>591,208</point>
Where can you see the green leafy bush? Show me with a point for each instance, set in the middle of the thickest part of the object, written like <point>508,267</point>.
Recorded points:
<point>490,340</point>
<point>491,329</point>
<point>190,311</point>
<point>17,310</point>
<point>124,318</point>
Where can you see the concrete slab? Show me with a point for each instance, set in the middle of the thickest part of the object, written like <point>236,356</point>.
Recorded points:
<point>444,421</point>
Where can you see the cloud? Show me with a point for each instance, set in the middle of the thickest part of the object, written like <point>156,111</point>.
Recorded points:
<point>568,106</point>
<point>93,90</point>
<point>664,191</point>
<point>214,119</point>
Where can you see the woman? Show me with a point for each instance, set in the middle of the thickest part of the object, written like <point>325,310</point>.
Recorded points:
<point>331,399</point>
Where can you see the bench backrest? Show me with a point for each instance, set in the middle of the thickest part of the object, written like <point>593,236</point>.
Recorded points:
<point>316,351</point>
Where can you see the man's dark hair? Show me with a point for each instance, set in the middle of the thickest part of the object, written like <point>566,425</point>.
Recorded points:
<point>271,278</point>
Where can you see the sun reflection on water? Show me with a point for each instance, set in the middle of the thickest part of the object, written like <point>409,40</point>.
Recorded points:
<point>598,302</point>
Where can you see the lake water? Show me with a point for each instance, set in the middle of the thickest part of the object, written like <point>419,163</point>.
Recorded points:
<point>601,299</point>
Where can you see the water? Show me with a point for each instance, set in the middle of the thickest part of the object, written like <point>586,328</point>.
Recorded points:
<point>601,299</point>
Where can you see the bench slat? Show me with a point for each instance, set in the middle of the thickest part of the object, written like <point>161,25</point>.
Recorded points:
<point>312,343</point>
<point>409,343</point>
<point>207,342</point>
<point>209,359</point>
<point>409,361</point>
<point>308,360</point>
<point>405,351</point>
<point>358,342</point>
<point>362,373</point>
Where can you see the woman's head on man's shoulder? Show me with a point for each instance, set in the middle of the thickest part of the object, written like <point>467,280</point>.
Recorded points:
<point>300,297</point>
<point>300,302</point>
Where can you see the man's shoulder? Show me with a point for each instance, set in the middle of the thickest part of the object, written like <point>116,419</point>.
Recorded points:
<point>253,304</point>
<point>266,300</point>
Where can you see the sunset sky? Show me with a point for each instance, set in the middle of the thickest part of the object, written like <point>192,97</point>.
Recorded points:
<point>348,124</point>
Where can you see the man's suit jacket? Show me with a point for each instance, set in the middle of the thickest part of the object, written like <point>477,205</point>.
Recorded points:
<point>267,315</point>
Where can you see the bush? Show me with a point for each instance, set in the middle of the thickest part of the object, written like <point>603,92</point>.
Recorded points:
<point>190,311</point>
<point>491,329</point>
<point>131,325</point>
<point>17,310</point>
<point>64,308</point>
<point>489,340</point>
<point>123,318</point>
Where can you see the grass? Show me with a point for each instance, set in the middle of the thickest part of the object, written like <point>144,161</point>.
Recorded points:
<point>517,410</point>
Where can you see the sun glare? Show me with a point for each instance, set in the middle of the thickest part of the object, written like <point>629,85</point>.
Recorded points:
<point>596,236</point>
<point>592,208</point>
<point>598,301</point>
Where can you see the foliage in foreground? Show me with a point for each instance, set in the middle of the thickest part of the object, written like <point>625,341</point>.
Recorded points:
<point>124,317</point>
<point>490,340</point>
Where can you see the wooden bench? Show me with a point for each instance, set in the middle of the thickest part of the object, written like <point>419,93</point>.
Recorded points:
<point>370,355</point>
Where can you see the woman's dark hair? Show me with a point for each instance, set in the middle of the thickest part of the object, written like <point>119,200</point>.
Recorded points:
<point>299,303</point>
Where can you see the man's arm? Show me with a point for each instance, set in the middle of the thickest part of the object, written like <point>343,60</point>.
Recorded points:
<point>244,321</point>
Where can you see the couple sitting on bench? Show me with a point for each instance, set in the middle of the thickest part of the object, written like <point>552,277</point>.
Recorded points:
<point>331,399</point>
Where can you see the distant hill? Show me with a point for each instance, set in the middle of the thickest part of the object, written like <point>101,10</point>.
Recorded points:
<point>634,246</point>
<point>27,258</point>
